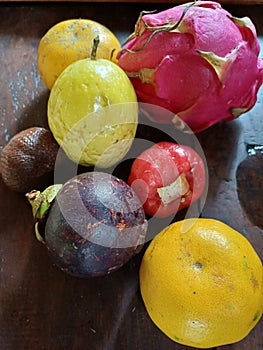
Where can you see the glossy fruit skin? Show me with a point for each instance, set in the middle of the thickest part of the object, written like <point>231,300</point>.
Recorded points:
<point>159,166</point>
<point>205,70</point>
<point>95,226</point>
<point>69,41</point>
<point>202,283</point>
<point>28,159</point>
<point>93,112</point>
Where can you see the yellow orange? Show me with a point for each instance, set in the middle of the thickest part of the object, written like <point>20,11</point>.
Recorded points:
<point>202,283</point>
<point>72,40</point>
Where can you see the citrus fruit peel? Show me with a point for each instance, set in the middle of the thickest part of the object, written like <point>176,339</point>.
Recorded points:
<point>202,286</point>
<point>69,41</point>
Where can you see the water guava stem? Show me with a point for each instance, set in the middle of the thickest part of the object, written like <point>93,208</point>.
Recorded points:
<point>95,45</point>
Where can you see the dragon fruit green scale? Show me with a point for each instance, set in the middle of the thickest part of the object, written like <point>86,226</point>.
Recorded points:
<point>195,60</point>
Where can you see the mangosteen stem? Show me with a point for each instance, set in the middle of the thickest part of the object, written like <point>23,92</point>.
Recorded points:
<point>41,203</point>
<point>95,45</point>
<point>39,236</point>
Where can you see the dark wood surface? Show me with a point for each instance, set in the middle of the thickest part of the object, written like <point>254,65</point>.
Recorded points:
<point>40,306</point>
<point>231,2</point>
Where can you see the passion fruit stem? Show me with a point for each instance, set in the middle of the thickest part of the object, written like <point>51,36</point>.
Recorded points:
<point>175,190</point>
<point>95,45</point>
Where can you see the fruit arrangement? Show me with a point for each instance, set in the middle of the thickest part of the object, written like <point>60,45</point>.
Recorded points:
<point>168,72</point>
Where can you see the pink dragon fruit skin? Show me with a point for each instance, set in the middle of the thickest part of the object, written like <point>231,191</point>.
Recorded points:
<point>206,69</point>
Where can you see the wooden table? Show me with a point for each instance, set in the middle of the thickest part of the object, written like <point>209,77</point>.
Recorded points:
<point>231,2</point>
<point>42,308</point>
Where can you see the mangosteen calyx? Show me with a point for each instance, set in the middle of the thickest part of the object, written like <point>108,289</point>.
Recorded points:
<point>41,203</point>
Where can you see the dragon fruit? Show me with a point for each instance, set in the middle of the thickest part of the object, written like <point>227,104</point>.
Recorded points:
<point>195,60</point>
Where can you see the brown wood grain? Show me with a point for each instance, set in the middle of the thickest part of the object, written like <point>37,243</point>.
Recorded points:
<point>42,308</point>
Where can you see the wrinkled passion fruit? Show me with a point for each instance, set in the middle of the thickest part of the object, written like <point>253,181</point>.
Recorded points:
<point>95,225</point>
